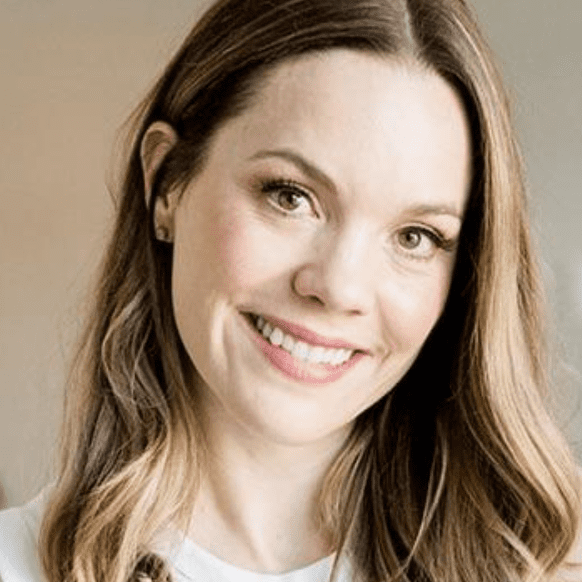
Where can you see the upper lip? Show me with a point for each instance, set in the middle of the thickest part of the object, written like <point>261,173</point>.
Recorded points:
<point>309,336</point>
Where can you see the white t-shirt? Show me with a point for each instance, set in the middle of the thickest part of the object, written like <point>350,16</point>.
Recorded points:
<point>19,561</point>
<point>18,534</point>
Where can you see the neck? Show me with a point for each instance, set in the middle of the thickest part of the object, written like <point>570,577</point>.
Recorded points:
<point>258,502</point>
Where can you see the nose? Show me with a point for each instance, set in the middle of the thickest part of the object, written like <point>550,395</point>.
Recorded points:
<point>338,274</point>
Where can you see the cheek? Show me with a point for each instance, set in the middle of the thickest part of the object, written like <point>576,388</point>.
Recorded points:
<point>248,252</point>
<point>411,307</point>
<point>237,249</point>
<point>216,250</point>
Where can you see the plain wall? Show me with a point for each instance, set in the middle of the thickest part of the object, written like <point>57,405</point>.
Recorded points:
<point>72,71</point>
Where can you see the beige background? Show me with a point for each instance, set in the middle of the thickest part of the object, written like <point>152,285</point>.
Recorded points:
<point>71,72</point>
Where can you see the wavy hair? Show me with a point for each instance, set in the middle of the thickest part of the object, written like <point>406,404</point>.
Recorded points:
<point>456,475</point>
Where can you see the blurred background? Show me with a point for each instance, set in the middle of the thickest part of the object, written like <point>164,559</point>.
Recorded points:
<point>71,73</point>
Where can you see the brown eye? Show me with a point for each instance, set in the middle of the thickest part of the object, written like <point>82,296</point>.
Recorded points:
<point>289,200</point>
<point>417,242</point>
<point>410,239</point>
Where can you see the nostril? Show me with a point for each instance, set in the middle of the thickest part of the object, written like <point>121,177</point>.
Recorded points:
<point>315,299</point>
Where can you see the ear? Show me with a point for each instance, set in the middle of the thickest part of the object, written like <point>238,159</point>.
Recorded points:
<point>157,141</point>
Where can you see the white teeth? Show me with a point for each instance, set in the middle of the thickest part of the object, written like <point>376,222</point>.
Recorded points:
<point>340,356</point>
<point>288,343</point>
<point>301,350</point>
<point>336,358</point>
<point>316,354</point>
<point>267,329</point>
<point>277,337</point>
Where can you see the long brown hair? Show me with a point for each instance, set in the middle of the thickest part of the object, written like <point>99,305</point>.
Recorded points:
<point>458,474</point>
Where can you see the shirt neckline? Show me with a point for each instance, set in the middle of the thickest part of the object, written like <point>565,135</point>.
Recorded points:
<point>192,560</point>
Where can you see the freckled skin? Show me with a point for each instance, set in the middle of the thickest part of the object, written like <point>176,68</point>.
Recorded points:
<point>389,138</point>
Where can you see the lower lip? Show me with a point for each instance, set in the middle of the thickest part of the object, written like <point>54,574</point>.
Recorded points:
<point>299,370</point>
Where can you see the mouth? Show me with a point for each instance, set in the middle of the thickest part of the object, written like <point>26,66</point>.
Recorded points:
<point>315,361</point>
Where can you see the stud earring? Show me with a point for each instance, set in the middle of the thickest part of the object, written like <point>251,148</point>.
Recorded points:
<point>162,233</point>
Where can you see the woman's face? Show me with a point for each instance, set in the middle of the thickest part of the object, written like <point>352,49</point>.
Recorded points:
<point>313,253</point>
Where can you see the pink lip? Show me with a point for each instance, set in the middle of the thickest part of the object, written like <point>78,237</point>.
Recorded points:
<point>310,337</point>
<point>295,369</point>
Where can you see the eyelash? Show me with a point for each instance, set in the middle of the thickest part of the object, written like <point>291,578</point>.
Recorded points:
<point>276,186</point>
<point>437,238</point>
<point>272,187</point>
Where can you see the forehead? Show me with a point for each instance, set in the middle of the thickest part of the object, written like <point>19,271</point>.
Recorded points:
<point>353,84</point>
<point>361,117</point>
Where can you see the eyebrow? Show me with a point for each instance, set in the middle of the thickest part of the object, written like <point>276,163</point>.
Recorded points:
<point>299,161</point>
<point>438,209</point>
<point>315,173</point>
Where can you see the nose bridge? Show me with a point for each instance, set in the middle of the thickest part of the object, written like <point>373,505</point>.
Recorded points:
<point>348,253</point>
<point>341,274</point>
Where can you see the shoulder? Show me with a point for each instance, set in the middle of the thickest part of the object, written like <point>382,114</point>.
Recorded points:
<point>19,527</point>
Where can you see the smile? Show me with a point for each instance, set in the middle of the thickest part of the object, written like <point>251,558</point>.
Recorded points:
<point>299,349</point>
<point>309,358</point>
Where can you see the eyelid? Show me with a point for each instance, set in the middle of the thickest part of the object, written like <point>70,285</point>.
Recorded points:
<point>304,166</point>
<point>439,240</point>
<point>436,231</point>
<point>273,185</point>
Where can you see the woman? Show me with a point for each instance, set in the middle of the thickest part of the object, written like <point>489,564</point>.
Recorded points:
<point>315,347</point>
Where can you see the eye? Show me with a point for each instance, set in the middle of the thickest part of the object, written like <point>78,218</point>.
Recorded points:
<point>288,197</point>
<point>422,243</point>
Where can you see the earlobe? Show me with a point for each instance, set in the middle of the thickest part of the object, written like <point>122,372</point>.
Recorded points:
<point>157,141</point>
<point>164,210</point>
